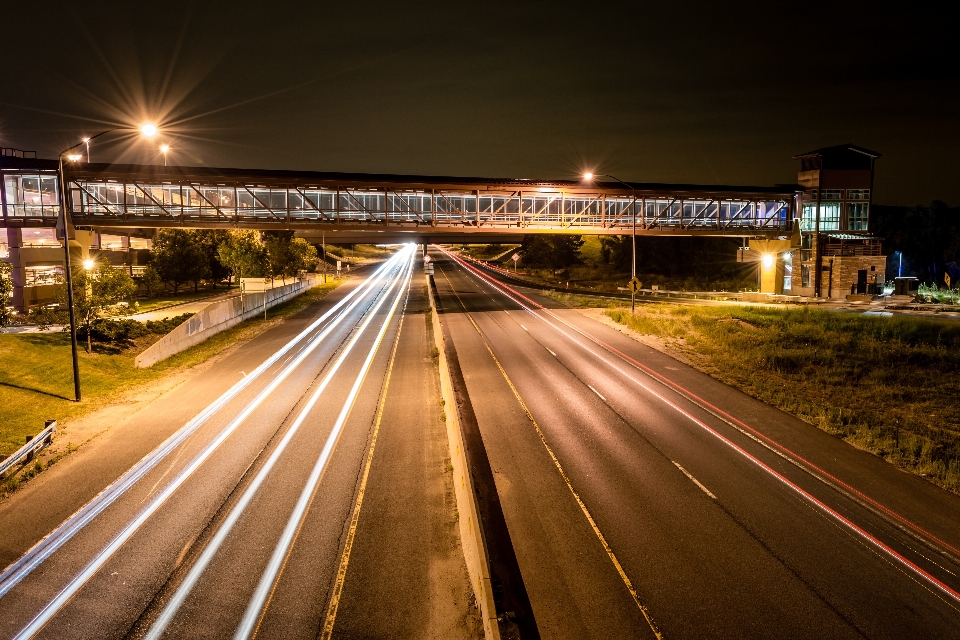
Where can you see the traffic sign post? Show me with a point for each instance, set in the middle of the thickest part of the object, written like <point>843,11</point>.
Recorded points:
<point>515,257</point>
<point>634,286</point>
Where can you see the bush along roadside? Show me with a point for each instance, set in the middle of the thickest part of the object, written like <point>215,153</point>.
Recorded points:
<point>886,385</point>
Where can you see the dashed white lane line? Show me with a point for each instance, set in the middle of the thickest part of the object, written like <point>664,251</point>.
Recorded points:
<point>524,328</point>
<point>693,480</point>
<point>551,352</point>
<point>594,390</point>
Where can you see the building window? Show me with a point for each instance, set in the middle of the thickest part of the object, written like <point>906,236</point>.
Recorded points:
<point>31,195</point>
<point>39,238</point>
<point>858,194</point>
<point>805,275</point>
<point>857,214</point>
<point>36,276</point>
<point>829,217</point>
<point>831,194</point>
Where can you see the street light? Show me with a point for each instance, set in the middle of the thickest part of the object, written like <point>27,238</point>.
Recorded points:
<point>164,148</point>
<point>88,264</point>
<point>149,131</point>
<point>633,239</point>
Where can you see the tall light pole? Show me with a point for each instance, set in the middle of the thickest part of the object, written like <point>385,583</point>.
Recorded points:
<point>148,131</point>
<point>164,148</point>
<point>633,237</point>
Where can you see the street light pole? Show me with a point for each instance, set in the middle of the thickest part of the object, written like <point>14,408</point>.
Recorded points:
<point>633,237</point>
<point>69,276</point>
<point>147,130</point>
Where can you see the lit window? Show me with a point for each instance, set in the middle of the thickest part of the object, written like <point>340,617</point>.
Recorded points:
<point>805,275</point>
<point>858,194</point>
<point>829,217</point>
<point>831,194</point>
<point>857,216</point>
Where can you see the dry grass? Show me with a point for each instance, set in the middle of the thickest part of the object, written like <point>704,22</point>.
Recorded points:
<point>887,385</point>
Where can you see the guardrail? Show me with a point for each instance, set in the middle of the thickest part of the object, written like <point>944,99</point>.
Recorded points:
<point>25,453</point>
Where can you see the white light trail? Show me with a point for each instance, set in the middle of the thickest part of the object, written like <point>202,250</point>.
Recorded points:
<point>257,602</point>
<point>54,606</point>
<point>212,547</point>
<point>20,569</point>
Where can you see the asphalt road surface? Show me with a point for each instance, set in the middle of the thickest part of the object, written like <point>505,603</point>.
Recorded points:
<point>306,495</point>
<point>644,498</point>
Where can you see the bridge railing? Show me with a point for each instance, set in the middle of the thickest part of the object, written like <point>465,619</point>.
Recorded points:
<point>133,203</point>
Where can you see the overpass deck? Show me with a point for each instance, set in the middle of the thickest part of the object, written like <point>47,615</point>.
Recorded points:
<point>148,196</point>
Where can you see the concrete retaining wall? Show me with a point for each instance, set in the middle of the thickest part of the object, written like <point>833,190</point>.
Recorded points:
<point>471,534</point>
<point>217,317</point>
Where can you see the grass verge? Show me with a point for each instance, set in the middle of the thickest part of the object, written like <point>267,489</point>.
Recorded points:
<point>886,385</point>
<point>36,379</point>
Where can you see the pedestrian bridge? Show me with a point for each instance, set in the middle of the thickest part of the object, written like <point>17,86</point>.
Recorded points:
<point>355,207</point>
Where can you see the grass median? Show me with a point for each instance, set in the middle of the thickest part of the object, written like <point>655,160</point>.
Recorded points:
<point>889,385</point>
<point>36,379</point>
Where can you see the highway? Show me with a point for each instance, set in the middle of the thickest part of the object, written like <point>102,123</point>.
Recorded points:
<point>644,499</point>
<point>305,497</point>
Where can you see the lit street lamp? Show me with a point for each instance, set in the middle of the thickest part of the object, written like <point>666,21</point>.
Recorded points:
<point>164,148</point>
<point>147,130</point>
<point>633,240</point>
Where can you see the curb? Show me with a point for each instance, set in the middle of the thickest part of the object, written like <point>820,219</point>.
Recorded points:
<point>471,533</point>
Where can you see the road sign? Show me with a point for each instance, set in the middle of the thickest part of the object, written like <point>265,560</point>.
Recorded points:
<point>515,257</point>
<point>634,285</point>
<point>426,259</point>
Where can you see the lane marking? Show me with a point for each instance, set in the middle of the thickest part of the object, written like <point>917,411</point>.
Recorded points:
<point>551,352</point>
<point>597,392</point>
<point>260,601</point>
<point>855,495</point>
<point>216,542</point>
<point>688,395</point>
<point>68,592</point>
<point>692,479</point>
<point>13,574</point>
<point>563,474</point>
<point>523,327</point>
<point>334,603</point>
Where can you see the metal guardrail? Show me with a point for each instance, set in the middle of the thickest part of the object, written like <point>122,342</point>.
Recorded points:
<point>25,453</point>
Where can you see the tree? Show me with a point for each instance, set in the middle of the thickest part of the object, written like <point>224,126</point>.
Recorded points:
<point>286,255</point>
<point>555,251</point>
<point>96,294</point>
<point>6,292</point>
<point>179,258</point>
<point>151,279</point>
<point>210,241</point>
<point>243,254</point>
<point>303,256</point>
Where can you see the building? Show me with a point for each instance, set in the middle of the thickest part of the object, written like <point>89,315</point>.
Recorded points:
<point>28,237</point>
<point>838,256</point>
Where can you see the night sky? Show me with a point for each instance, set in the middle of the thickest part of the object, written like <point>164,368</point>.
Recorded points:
<point>710,92</point>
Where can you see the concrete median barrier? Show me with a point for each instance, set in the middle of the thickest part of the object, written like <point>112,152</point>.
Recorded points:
<point>471,532</point>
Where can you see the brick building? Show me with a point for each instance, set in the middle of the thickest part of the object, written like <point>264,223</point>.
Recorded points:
<point>838,256</point>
